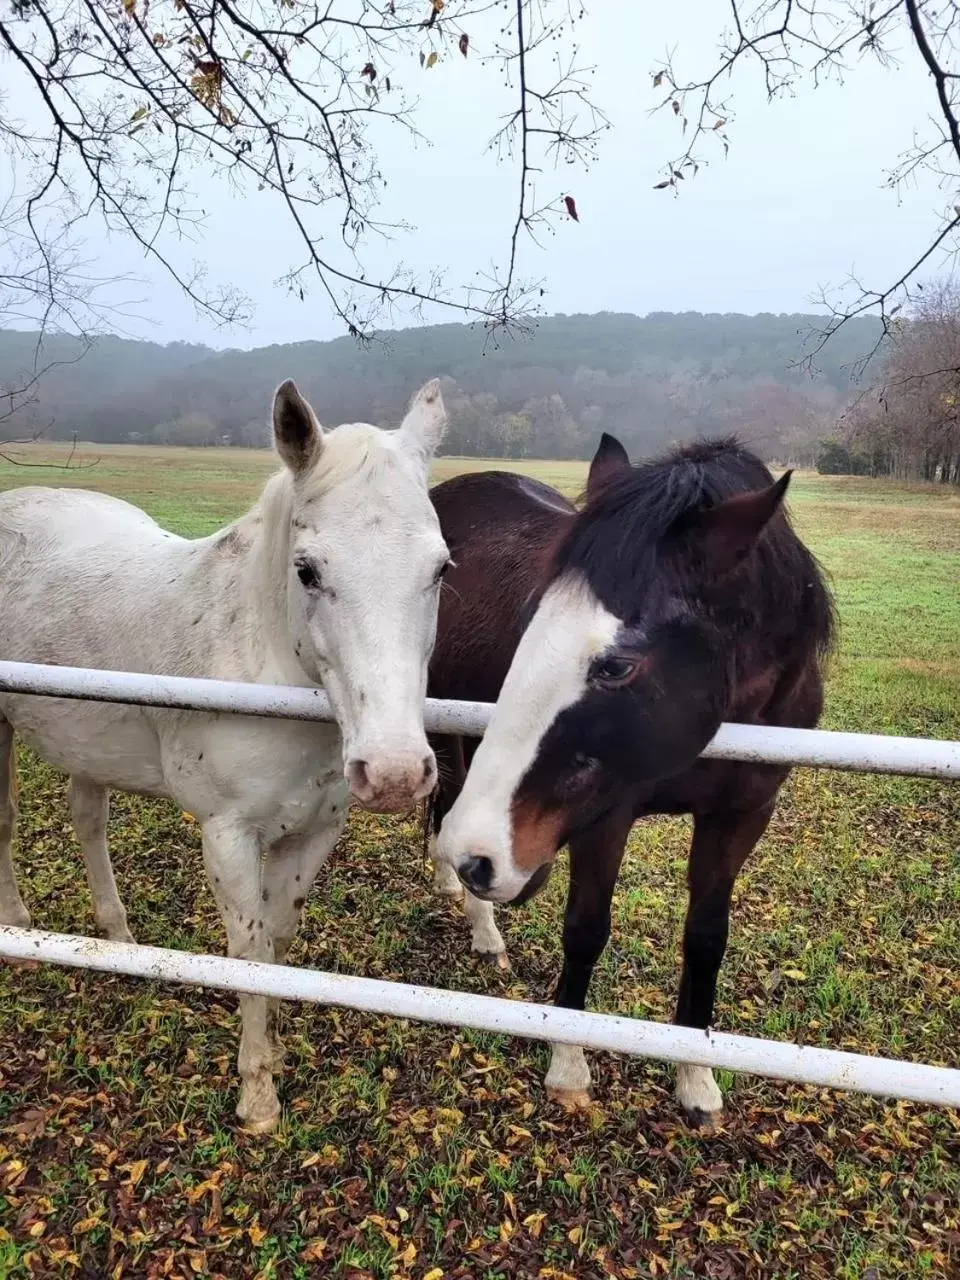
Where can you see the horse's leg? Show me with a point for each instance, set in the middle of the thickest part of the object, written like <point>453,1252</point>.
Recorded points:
<point>486,940</point>
<point>12,909</point>
<point>90,810</point>
<point>451,771</point>
<point>721,845</point>
<point>595,859</point>
<point>231,856</point>
<point>289,870</point>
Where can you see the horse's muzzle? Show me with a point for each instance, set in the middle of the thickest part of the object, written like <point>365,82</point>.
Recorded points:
<point>392,784</point>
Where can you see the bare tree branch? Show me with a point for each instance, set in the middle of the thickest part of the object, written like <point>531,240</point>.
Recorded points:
<point>788,41</point>
<point>138,99</point>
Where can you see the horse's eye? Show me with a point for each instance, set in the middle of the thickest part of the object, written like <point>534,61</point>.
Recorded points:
<point>442,571</point>
<point>307,574</point>
<point>583,763</point>
<point>614,671</point>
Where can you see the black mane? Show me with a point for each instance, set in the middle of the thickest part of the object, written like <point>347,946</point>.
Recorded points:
<point>619,538</point>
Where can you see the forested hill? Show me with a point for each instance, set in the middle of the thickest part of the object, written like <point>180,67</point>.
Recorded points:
<point>649,380</point>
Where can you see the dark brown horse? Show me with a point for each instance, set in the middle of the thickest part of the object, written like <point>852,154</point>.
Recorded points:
<point>615,641</point>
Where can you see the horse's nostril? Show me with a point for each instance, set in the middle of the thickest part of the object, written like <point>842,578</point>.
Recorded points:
<point>358,777</point>
<point>477,873</point>
<point>429,768</point>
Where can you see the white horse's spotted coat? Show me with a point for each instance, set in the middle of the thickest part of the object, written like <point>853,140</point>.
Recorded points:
<point>87,580</point>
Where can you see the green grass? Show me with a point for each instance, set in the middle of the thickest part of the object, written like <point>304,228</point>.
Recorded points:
<point>407,1149</point>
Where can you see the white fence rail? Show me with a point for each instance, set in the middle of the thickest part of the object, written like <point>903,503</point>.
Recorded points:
<point>804,1064</point>
<point>860,752</point>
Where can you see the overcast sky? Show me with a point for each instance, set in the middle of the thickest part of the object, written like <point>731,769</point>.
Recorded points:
<point>798,204</point>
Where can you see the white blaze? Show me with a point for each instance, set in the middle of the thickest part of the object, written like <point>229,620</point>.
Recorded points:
<point>549,673</point>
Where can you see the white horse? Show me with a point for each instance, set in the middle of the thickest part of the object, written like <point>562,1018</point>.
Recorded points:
<point>333,578</point>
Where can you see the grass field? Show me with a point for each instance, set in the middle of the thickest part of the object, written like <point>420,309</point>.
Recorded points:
<point>418,1152</point>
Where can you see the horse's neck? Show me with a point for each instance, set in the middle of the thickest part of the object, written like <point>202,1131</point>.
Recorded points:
<point>250,561</point>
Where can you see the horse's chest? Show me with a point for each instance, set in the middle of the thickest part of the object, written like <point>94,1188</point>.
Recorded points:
<point>281,777</point>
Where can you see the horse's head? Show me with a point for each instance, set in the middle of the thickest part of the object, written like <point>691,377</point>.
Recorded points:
<point>623,674</point>
<point>364,564</point>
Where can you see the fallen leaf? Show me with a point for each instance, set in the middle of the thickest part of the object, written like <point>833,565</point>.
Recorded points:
<point>571,207</point>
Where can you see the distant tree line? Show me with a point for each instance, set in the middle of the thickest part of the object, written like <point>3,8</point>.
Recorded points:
<point>907,425</point>
<point>650,381</point>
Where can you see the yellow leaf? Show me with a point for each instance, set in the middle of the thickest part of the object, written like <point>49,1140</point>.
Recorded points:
<point>257,1234</point>
<point>534,1223</point>
<point>38,1229</point>
<point>137,1170</point>
<point>575,1235</point>
<point>187,817</point>
<point>431,61</point>
<point>402,1213</point>
<point>438,5</point>
<point>797,974</point>
<point>88,1224</point>
<point>435,1273</point>
<point>409,1254</point>
<point>129,6</point>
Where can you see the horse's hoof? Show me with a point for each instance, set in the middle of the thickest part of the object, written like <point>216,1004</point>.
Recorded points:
<point>571,1099</point>
<point>259,1107</point>
<point>444,889</point>
<point>263,1125</point>
<point>499,959</point>
<point>704,1121</point>
<point>446,882</point>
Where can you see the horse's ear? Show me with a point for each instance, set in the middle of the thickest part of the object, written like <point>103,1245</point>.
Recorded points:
<point>729,531</point>
<point>426,419</point>
<point>610,460</point>
<point>296,431</point>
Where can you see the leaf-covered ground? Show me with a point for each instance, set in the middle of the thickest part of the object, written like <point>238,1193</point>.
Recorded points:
<point>412,1151</point>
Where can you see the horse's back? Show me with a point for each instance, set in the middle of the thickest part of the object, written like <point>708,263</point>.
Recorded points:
<point>79,516</point>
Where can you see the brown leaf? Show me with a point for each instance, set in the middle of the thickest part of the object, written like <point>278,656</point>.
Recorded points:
<point>464,44</point>
<point>371,71</point>
<point>571,207</point>
<point>676,107</point>
<point>432,60</point>
<point>30,1125</point>
<point>658,80</point>
<point>667,182</point>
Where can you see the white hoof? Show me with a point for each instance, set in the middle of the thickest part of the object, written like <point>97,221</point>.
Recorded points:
<point>121,934</point>
<point>259,1107</point>
<point>698,1094</point>
<point>446,882</point>
<point>568,1079</point>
